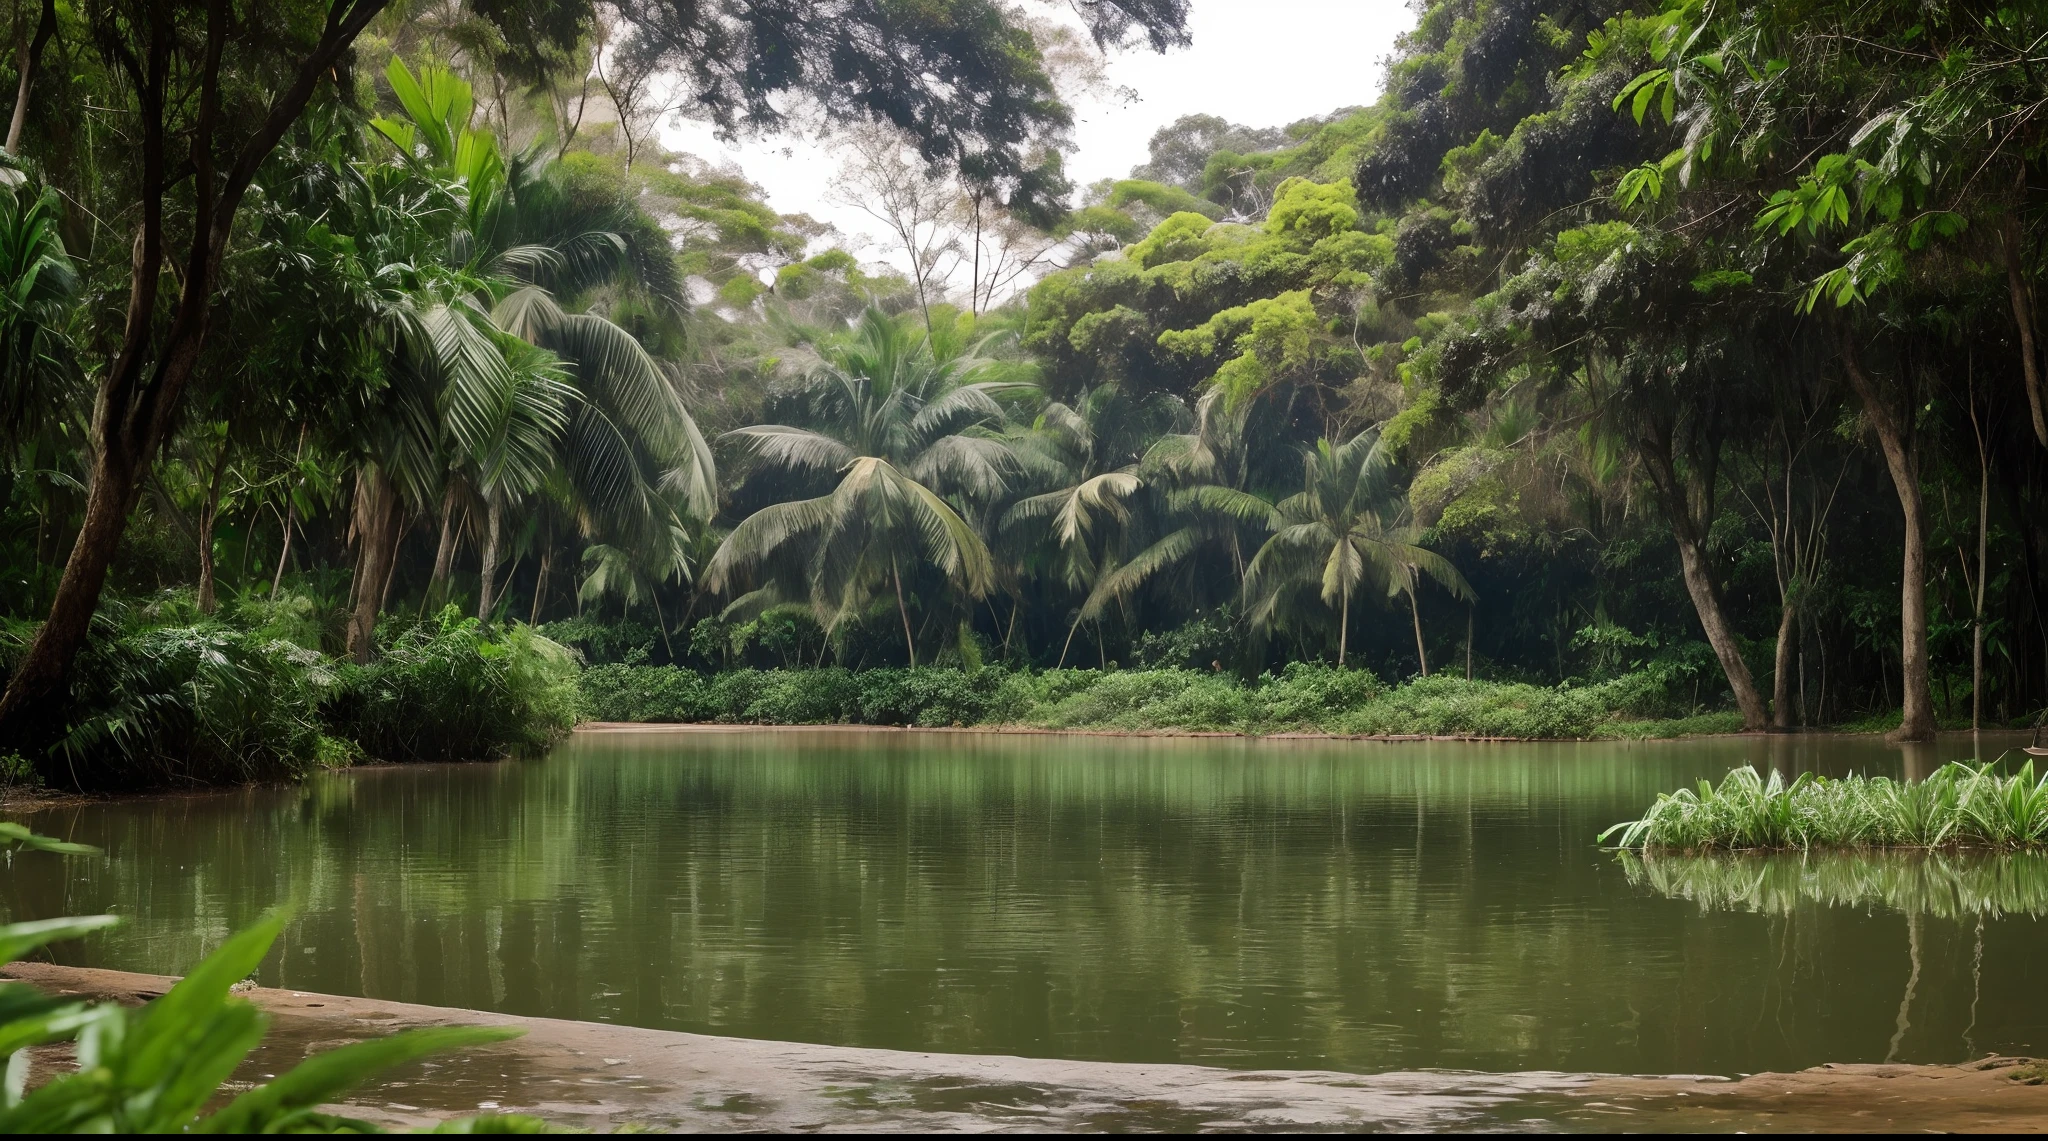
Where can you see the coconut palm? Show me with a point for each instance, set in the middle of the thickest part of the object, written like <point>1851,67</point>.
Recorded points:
<point>1205,503</point>
<point>495,282</point>
<point>908,434</point>
<point>1089,455</point>
<point>1346,530</point>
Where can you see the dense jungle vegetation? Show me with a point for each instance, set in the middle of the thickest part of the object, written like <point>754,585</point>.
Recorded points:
<point>1612,371</point>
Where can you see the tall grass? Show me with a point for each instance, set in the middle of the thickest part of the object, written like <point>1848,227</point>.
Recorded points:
<point>1957,805</point>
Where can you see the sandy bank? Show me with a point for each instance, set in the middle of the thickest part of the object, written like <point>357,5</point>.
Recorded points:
<point>603,1077</point>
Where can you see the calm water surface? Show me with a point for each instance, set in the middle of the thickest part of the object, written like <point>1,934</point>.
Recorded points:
<point>1337,905</point>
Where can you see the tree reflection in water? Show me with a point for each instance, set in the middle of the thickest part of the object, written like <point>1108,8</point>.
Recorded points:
<point>1916,883</point>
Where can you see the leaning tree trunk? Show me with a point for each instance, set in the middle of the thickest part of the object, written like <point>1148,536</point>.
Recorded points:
<point>493,532</point>
<point>1901,460</point>
<point>444,549</point>
<point>376,526</point>
<point>1676,500</point>
<point>1415,611</point>
<point>32,709</point>
<point>28,60</point>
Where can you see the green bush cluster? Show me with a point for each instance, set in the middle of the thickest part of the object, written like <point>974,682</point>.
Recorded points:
<point>615,641</point>
<point>1304,697</point>
<point>832,695</point>
<point>456,690</point>
<point>189,704</point>
<point>215,701</point>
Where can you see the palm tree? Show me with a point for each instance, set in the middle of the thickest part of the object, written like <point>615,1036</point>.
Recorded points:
<point>488,292</point>
<point>1203,479</point>
<point>1089,453</point>
<point>909,435</point>
<point>1346,529</point>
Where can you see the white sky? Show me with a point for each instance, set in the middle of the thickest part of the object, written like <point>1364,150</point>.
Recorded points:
<point>1262,63</point>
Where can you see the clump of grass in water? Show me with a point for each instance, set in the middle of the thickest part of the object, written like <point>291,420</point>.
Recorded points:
<point>1957,805</point>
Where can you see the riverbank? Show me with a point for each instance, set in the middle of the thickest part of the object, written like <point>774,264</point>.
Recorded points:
<point>597,1076</point>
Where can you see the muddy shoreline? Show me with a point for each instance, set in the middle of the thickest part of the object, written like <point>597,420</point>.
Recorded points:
<point>597,1076</point>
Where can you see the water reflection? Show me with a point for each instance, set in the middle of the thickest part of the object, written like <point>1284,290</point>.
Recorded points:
<point>1302,904</point>
<point>1944,884</point>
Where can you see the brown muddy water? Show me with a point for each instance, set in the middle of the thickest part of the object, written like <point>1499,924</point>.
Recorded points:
<point>1280,904</point>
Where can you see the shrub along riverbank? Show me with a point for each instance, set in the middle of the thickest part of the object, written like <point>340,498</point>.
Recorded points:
<point>161,699</point>
<point>1303,698</point>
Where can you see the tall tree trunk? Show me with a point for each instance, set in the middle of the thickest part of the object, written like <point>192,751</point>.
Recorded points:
<point>209,513</point>
<point>1983,569</point>
<point>1783,669</point>
<point>494,522</point>
<point>1415,611</point>
<point>1676,498</point>
<point>1471,615</point>
<point>910,643</point>
<point>28,59</point>
<point>291,511</point>
<point>2023,316</point>
<point>444,548</point>
<point>376,525</point>
<point>1901,460</point>
<point>143,384</point>
<point>1344,629</point>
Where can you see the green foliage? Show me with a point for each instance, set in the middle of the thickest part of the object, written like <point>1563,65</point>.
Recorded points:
<point>188,704</point>
<point>454,689</point>
<point>1956,805</point>
<point>601,641</point>
<point>1213,640</point>
<point>1444,705</point>
<point>1303,697</point>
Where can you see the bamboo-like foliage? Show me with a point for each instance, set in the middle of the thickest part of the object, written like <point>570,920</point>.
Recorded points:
<point>1957,805</point>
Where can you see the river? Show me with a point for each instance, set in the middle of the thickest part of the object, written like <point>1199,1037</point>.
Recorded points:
<point>1280,903</point>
